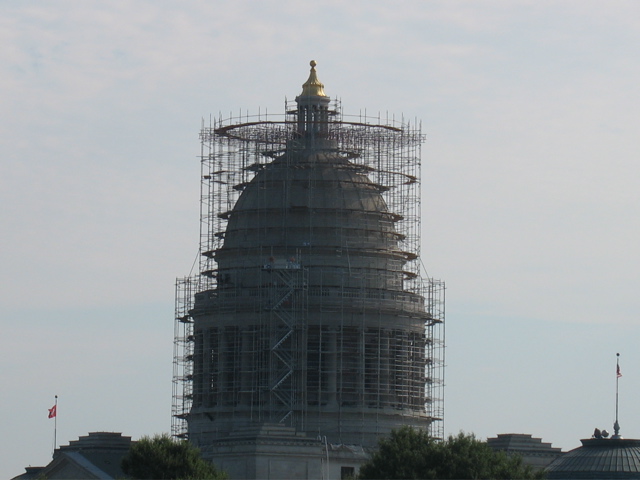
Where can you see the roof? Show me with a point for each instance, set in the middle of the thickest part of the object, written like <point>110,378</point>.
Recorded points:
<point>97,455</point>
<point>613,458</point>
<point>534,451</point>
<point>519,442</point>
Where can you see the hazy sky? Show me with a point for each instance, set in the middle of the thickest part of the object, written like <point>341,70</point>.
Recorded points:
<point>531,203</point>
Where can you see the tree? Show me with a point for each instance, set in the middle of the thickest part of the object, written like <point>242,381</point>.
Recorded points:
<point>161,457</point>
<point>412,454</point>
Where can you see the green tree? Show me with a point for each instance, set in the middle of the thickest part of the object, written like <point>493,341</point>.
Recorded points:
<point>162,457</point>
<point>411,454</point>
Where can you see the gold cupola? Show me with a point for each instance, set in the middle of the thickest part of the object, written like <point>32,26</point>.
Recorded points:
<point>313,109</point>
<point>313,86</point>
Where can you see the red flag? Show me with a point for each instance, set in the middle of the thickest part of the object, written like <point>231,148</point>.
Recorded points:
<point>618,372</point>
<point>53,411</point>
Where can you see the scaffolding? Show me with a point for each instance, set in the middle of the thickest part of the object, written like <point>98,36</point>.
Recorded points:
<point>183,349</point>
<point>287,308</point>
<point>364,361</point>
<point>234,149</point>
<point>435,300</point>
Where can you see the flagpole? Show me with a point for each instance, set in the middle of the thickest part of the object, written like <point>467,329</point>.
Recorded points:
<point>55,427</point>
<point>616,426</point>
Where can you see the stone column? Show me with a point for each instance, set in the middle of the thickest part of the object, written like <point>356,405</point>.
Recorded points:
<point>331,356</point>
<point>246,369</point>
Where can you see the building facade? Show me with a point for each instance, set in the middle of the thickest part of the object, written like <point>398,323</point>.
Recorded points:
<point>97,455</point>
<point>534,451</point>
<point>308,332</point>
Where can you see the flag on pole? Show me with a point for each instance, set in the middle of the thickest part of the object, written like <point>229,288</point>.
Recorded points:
<point>618,372</point>
<point>53,411</point>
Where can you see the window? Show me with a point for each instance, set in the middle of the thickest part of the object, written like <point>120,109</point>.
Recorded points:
<point>347,472</point>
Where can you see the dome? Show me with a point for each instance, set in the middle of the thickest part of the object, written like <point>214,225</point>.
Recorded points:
<point>318,205</point>
<point>599,458</point>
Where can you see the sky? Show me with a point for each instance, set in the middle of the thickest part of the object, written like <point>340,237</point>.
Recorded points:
<point>530,199</point>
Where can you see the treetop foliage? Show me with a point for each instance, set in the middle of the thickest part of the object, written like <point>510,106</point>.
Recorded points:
<point>161,457</point>
<point>411,454</point>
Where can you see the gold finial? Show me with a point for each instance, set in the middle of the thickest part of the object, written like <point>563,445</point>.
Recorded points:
<point>313,86</point>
